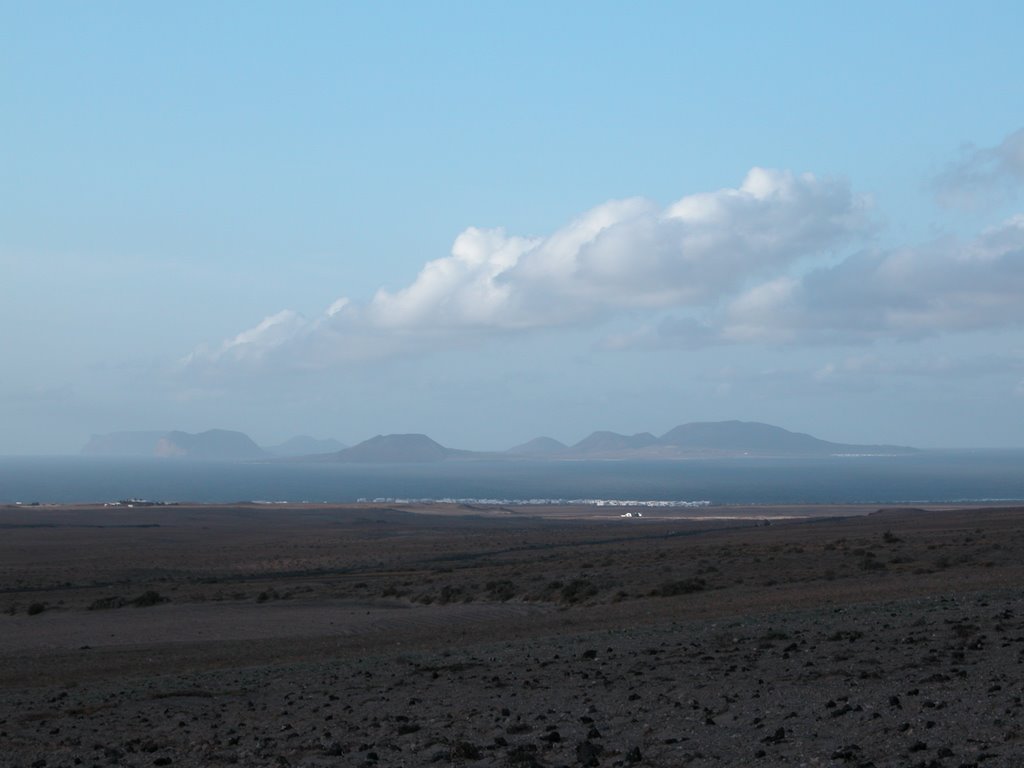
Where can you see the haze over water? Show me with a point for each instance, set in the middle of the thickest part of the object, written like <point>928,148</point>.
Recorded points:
<point>927,477</point>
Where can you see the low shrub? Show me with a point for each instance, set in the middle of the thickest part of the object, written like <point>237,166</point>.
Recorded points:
<point>149,598</point>
<point>578,590</point>
<point>681,587</point>
<point>107,603</point>
<point>450,594</point>
<point>501,590</point>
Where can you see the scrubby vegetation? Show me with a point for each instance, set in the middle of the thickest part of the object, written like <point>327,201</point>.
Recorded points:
<point>149,598</point>
<point>578,590</point>
<point>681,587</point>
<point>107,603</point>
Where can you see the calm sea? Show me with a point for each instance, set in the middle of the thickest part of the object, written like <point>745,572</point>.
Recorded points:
<point>926,477</point>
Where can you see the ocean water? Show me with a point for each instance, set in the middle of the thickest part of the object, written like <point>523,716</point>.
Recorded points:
<point>938,476</point>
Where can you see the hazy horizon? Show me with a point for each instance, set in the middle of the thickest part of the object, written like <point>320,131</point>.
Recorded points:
<point>570,442</point>
<point>487,224</point>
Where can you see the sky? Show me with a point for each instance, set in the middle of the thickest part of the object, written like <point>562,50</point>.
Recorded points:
<point>492,221</point>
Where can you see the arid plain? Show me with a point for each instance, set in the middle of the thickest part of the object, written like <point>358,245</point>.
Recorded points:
<point>363,635</point>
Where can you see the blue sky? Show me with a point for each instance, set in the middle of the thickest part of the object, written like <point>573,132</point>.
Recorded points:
<point>489,221</point>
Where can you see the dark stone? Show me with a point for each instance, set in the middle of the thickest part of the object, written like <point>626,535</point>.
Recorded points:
<point>587,753</point>
<point>466,751</point>
<point>334,749</point>
<point>846,753</point>
<point>523,756</point>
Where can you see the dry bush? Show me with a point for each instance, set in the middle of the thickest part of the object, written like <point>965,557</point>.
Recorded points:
<point>149,598</point>
<point>578,590</point>
<point>500,590</point>
<point>107,603</point>
<point>681,587</point>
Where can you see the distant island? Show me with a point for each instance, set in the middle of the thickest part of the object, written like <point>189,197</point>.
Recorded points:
<point>708,439</point>
<point>687,441</point>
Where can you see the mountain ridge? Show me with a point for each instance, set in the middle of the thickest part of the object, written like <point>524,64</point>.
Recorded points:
<point>753,436</point>
<point>212,444</point>
<point>603,441</point>
<point>702,439</point>
<point>413,448</point>
<point>539,446</point>
<point>685,441</point>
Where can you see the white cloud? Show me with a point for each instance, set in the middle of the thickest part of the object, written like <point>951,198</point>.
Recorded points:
<point>626,254</point>
<point>930,366</point>
<point>253,344</point>
<point>622,255</point>
<point>984,175</point>
<point>731,266</point>
<point>945,286</point>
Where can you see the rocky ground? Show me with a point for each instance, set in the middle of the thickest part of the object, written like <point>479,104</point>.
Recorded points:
<point>362,637</point>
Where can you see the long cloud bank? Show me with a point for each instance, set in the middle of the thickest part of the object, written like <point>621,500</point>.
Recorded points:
<point>942,287</point>
<point>624,254</point>
<point>737,265</point>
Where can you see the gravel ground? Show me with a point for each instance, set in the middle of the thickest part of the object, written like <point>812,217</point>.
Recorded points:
<point>878,669</point>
